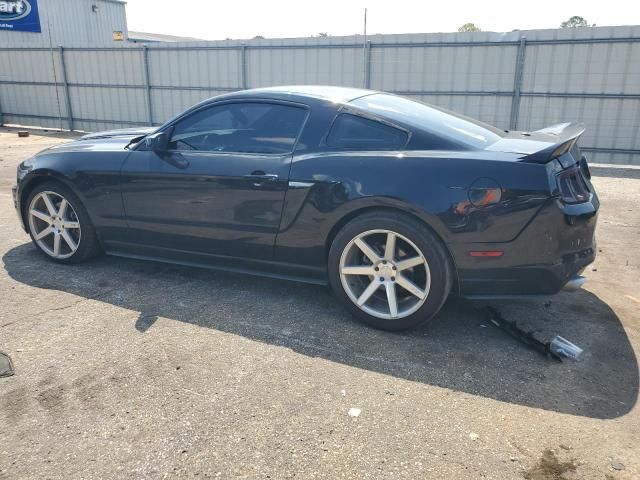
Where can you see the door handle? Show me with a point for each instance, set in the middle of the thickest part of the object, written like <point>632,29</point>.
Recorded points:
<point>259,178</point>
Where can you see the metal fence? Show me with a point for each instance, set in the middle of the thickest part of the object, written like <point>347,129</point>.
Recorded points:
<point>520,80</point>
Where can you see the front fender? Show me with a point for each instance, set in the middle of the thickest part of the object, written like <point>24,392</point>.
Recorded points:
<point>37,177</point>
<point>93,176</point>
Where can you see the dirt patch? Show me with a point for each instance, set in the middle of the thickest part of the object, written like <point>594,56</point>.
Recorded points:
<point>549,467</point>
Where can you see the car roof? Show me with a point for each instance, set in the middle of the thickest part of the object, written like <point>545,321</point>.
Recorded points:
<point>320,92</point>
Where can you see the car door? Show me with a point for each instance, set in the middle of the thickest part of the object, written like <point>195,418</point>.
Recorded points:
<point>220,186</point>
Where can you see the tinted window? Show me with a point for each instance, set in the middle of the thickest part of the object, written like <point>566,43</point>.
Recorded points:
<point>240,127</point>
<point>351,131</point>
<point>438,121</point>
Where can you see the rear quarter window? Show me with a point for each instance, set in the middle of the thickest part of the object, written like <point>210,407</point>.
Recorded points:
<point>354,132</point>
<point>447,125</point>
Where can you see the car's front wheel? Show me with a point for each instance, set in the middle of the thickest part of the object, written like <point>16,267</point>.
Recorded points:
<point>59,224</point>
<point>390,270</point>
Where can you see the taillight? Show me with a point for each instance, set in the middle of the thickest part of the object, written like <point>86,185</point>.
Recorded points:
<point>573,188</point>
<point>584,167</point>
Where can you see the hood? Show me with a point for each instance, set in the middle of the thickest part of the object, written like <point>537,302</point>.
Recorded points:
<point>106,144</point>
<point>124,132</point>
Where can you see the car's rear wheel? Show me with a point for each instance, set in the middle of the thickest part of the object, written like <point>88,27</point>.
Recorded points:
<point>391,271</point>
<point>59,224</point>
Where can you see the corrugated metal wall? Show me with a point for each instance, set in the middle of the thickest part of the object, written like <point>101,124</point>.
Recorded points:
<point>525,80</point>
<point>72,23</point>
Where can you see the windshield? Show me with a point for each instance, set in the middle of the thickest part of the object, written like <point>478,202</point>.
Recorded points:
<point>436,120</point>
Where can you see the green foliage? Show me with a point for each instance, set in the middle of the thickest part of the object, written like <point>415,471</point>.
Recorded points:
<point>469,27</point>
<point>575,21</point>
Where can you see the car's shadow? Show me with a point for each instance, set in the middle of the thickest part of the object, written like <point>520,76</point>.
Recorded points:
<point>459,350</point>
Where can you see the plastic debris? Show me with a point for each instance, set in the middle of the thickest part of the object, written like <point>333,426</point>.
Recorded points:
<point>354,412</point>
<point>474,436</point>
<point>557,348</point>
<point>617,466</point>
<point>6,366</point>
<point>516,332</point>
<point>563,347</point>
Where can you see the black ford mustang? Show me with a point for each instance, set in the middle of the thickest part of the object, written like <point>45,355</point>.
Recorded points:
<point>394,203</point>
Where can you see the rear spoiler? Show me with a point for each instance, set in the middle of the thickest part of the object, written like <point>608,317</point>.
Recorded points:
<point>567,135</point>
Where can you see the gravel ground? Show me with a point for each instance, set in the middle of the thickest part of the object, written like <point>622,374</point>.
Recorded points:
<point>130,369</point>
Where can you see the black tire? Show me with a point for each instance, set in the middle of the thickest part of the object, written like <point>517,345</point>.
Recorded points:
<point>429,244</point>
<point>88,246</point>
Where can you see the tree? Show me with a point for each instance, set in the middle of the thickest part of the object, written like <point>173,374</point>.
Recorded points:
<point>469,27</point>
<point>258,37</point>
<point>323,34</point>
<point>575,21</point>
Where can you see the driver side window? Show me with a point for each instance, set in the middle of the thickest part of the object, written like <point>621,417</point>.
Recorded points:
<point>240,127</point>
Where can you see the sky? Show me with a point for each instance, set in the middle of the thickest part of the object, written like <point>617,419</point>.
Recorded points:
<point>218,20</point>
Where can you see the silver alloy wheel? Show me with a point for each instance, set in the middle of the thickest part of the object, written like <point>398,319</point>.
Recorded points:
<point>385,274</point>
<point>54,225</point>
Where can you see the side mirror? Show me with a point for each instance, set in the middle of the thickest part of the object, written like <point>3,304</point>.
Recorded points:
<point>157,142</point>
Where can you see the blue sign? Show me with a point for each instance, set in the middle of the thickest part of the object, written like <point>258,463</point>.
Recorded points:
<point>19,15</point>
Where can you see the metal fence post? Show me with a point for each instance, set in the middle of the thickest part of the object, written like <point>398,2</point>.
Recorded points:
<point>147,84</point>
<point>243,67</point>
<point>517,84</point>
<point>65,83</point>
<point>367,68</point>
<point>1,120</point>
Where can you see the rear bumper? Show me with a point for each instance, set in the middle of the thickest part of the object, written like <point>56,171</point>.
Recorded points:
<point>556,246</point>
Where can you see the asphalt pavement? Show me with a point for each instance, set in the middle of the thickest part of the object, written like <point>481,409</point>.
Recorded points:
<point>132,369</point>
